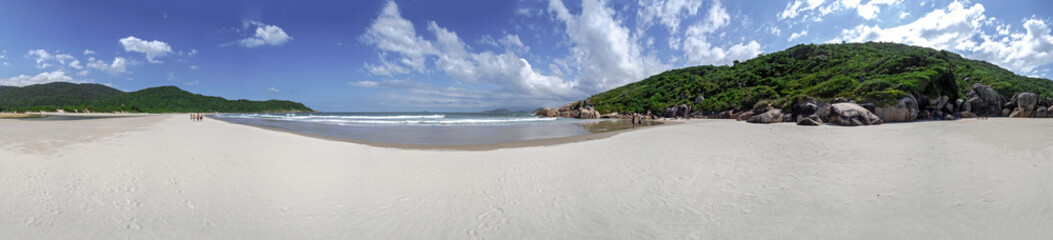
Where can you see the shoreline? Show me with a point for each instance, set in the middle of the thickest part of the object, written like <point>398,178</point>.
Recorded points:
<point>465,147</point>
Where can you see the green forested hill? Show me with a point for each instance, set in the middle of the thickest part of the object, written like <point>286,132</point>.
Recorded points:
<point>54,94</point>
<point>100,98</point>
<point>867,72</point>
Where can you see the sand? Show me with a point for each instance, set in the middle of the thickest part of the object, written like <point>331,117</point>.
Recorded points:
<point>164,177</point>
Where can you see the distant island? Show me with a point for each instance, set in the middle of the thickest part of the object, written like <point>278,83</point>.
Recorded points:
<point>90,97</point>
<point>886,79</point>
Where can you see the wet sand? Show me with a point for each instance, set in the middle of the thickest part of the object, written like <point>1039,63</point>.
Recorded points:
<point>458,138</point>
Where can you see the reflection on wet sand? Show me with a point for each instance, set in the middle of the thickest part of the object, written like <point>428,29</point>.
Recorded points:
<point>438,135</point>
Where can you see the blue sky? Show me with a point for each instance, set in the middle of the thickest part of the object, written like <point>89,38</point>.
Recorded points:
<point>412,55</point>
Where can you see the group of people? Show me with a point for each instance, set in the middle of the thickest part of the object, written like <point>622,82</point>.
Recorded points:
<point>197,117</point>
<point>637,119</point>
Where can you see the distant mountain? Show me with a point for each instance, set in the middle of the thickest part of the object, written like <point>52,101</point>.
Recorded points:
<point>100,98</point>
<point>867,72</point>
<point>54,94</point>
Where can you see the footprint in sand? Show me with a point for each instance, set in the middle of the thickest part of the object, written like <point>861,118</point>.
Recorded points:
<point>491,221</point>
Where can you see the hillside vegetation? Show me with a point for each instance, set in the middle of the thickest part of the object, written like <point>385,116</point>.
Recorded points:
<point>99,98</point>
<point>867,72</point>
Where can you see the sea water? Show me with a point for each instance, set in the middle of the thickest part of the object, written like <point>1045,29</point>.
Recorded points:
<point>427,128</point>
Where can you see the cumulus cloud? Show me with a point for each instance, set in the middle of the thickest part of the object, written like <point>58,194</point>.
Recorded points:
<point>699,50</point>
<point>667,12</point>
<point>152,49</point>
<point>816,9</point>
<point>796,36</point>
<point>45,59</point>
<point>272,90</point>
<point>119,65</point>
<point>46,77</point>
<point>952,28</point>
<point>959,28</point>
<point>265,35</point>
<point>392,33</point>
<point>797,6</point>
<point>604,49</point>
<point>1022,52</point>
<point>402,50</point>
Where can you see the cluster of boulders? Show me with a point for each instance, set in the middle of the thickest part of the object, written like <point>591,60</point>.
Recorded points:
<point>580,109</point>
<point>981,101</point>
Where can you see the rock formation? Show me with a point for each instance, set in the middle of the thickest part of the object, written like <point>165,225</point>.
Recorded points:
<point>851,114</point>
<point>904,111</point>
<point>811,112</point>
<point>1025,105</point>
<point>991,101</point>
<point>771,116</point>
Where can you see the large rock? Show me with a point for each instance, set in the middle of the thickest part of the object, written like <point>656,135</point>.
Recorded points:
<point>546,112</point>
<point>744,115</point>
<point>904,111</point>
<point>670,112</point>
<point>1025,105</point>
<point>588,113</point>
<point>811,108</point>
<point>771,116</point>
<point>812,120</point>
<point>851,114</point>
<point>941,103</point>
<point>678,111</point>
<point>991,101</point>
<point>683,110</point>
<point>974,104</point>
<point>1041,112</point>
<point>729,114</point>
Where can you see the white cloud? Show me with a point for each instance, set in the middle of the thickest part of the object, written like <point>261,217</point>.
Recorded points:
<point>393,83</point>
<point>952,28</point>
<point>814,9</point>
<point>871,9</point>
<point>194,67</point>
<point>396,38</point>
<point>602,48</point>
<point>41,56</point>
<point>46,77</point>
<point>363,84</point>
<point>392,33</point>
<point>265,35</point>
<point>904,15</point>
<point>88,52</point>
<point>795,8</point>
<point>152,49</point>
<point>795,36</point>
<point>667,12</point>
<point>959,28</point>
<point>699,50</point>
<point>1023,52</point>
<point>119,65</point>
<point>45,59</point>
<point>272,90</point>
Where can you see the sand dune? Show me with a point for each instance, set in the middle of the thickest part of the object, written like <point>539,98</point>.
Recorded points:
<point>166,177</point>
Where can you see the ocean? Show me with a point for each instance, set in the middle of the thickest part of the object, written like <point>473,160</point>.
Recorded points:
<point>428,128</point>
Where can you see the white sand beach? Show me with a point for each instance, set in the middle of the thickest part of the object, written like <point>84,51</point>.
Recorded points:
<point>164,177</point>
